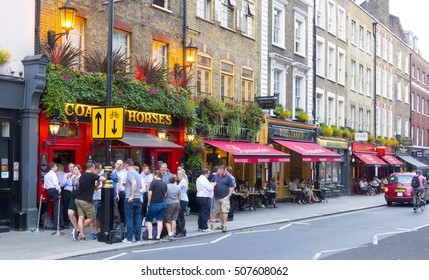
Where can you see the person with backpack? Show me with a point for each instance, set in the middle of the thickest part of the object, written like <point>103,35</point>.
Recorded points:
<point>418,183</point>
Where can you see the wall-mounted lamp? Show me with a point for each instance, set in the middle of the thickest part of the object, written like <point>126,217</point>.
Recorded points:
<point>67,19</point>
<point>162,133</point>
<point>189,135</point>
<point>191,53</point>
<point>54,128</point>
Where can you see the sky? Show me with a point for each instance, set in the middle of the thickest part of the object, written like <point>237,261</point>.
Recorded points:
<point>412,14</point>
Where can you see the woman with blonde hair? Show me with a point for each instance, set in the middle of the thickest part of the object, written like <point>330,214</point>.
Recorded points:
<point>183,185</point>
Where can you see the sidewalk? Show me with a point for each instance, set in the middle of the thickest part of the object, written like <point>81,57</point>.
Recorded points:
<point>43,245</point>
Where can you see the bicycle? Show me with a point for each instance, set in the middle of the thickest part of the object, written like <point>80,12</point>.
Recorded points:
<point>418,202</point>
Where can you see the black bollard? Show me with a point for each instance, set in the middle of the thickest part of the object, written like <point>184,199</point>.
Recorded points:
<point>106,206</point>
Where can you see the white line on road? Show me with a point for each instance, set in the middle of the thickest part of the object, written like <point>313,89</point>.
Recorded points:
<point>255,231</point>
<point>285,226</point>
<point>114,257</point>
<point>318,254</point>
<point>375,238</point>
<point>421,226</point>
<point>168,248</point>
<point>219,239</point>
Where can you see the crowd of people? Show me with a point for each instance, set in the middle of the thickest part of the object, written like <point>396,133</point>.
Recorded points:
<point>306,191</point>
<point>157,200</point>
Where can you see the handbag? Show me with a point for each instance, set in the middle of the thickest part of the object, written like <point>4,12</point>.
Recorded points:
<point>116,235</point>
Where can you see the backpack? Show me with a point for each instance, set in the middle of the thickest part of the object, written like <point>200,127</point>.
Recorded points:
<point>415,182</point>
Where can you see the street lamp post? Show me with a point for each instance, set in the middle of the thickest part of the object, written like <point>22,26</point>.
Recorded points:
<point>107,195</point>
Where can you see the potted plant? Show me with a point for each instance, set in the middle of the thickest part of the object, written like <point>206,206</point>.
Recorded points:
<point>286,114</point>
<point>4,56</point>
<point>300,115</point>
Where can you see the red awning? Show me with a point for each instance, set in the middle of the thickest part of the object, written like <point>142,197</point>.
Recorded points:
<point>310,151</point>
<point>392,160</point>
<point>370,159</point>
<point>244,152</point>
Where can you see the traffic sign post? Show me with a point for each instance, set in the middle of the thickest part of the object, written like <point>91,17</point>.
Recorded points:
<point>107,122</point>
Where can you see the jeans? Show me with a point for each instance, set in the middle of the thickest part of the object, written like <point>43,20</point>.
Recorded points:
<point>133,217</point>
<point>121,209</point>
<point>204,214</point>
<point>181,223</point>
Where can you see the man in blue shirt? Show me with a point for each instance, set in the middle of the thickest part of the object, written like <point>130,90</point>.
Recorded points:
<point>228,171</point>
<point>222,192</point>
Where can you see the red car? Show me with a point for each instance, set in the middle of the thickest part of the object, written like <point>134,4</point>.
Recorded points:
<point>399,188</point>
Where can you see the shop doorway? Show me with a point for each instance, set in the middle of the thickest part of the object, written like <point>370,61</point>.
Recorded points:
<point>64,157</point>
<point>5,183</point>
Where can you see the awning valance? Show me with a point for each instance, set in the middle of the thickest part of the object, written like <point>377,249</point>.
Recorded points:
<point>370,159</point>
<point>392,160</point>
<point>146,140</point>
<point>244,152</point>
<point>413,162</point>
<point>310,151</point>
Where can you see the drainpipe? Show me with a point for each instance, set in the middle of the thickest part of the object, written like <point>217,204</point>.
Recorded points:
<point>185,27</point>
<point>409,96</point>
<point>37,28</point>
<point>374,33</point>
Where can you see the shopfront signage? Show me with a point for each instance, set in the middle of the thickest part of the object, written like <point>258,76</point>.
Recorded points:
<point>288,133</point>
<point>332,144</point>
<point>417,154</point>
<point>107,122</point>
<point>131,117</point>
<point>361,136</point>
<point>362,147</point>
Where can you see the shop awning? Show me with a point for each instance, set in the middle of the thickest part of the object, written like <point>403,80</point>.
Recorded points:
<point>414,162</point>
<point>370,159</point>
<point>310,151</point>
<point>392,160</point>
<point>244,152</point>
<point>146,140</point>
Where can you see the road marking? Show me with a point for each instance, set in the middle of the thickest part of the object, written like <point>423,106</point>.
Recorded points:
<point>256,231</point>
<point>318,254</point>
<point>114,257</point>
<point>375,238</point>
<point>219,239</point>
<point>421,226</point>
<point>285,226</point>
<point>168,248</point>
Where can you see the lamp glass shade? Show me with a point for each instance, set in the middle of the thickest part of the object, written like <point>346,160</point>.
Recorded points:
<point>67,16</point>
<point>191,53</point>
<point>54,127</point>
<point>162,133</point>
<point>190,137</point>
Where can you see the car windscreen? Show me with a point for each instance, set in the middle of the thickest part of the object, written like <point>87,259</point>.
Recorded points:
<point>400,179</point>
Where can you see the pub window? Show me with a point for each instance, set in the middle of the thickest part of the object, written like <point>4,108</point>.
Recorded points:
<point>247,84</point>
<point>227,14</point>
<point>76,37</point>
<point>204,9</point>
<point>227,80</point>
<point>161,3</point>
<point>121,43</point>
<point>160,52</point>
<point>204,74</point>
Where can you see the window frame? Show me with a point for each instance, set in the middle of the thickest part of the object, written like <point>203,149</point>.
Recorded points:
<point>206,69</point>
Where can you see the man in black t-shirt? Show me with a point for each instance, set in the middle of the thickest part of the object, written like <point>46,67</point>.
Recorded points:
<point>87,182</point>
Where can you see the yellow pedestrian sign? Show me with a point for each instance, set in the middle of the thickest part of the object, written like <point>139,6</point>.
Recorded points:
<point>107,122</point>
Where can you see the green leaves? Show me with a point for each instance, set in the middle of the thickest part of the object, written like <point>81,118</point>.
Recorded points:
<point>73,86</point>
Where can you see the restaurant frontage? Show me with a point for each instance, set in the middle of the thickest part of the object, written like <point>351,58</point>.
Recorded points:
<point>141,142</point>
<point>298,140</point>
<point>249,161</point>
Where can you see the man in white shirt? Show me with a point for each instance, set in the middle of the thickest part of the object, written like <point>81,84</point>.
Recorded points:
<point>53,189</point>
<point>147,178</point>
<point>204,193</point>
<point>119,178</point>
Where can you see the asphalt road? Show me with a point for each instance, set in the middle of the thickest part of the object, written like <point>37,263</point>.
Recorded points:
<point>387,233</point>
